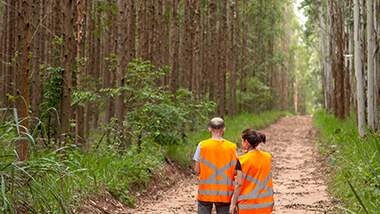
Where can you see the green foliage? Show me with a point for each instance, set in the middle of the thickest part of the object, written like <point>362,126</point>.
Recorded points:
<point>355,162</point>
<point>56,181</point>
<point>80,97</point>
<point>52,88</point>
<point>256,97</point>
<point>154,114</point>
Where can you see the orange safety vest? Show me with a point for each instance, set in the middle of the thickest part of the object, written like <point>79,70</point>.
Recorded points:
<point>256,195</point>
<point>217,168</point>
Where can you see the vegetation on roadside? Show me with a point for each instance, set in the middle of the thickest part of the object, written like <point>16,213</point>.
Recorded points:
<point>355,163</point>
<point>57,179</point>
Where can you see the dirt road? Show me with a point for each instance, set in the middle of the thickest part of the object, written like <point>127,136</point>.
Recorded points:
<point>298,175</point>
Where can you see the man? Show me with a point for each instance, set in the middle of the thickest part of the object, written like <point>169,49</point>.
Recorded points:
<point>215,161</point>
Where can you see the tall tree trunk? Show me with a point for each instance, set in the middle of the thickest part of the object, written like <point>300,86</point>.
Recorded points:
<point>186,49</point>
<point>166,39</point>
<point>213,58</point>
<point>121,53</point>
<point>24,11</point>
<point>143,33</point>
<point>377,59</point>
<point>234,56</point>
<point>205,50</point>
<point>244,53</point>
<point>175,48</point>
<point>359,70</point>
<point>90,65</point>
<point>196,45</point>
<point>329,71</point>
<point>107,75</point>
<point>131,19</point>
<point>222,62</point>
<point>98,64</point>
<point>348,60</point>
<point>371,45</point>
<point>296,96</point>
<point>66,111</point>
<point>11,53</point>
<point>4,47</point>
<point>322,35</point>
<point>157,39</point>
<point>79,128</point>
<point>338,59</point>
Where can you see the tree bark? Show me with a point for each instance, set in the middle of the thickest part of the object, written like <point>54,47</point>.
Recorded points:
<point>175,48</point>
<point>196,45</point>
<point>121,53</point>
<point>213,58</point>
<point>187,51</point>
<point>244,53</point>
<point>66,111</point>
<point>222,65</point>
<point>166,39</point>
<point>338,59</point>
<point>4,47</point>
<point>107,76</point>
<point>359,70</point>
<point>24,11</point>
<point>371,45</point>
<point>79,128</point>
<point>234,56</point>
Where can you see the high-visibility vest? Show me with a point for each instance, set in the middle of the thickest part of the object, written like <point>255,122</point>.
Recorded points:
<point>256,194</point>
<point>217,167</point>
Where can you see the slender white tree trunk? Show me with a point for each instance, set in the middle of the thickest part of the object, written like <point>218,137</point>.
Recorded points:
<point>329,77</point>
<point>322,36</point>
<point>377,59</point>
<point>358,70</point>
<point>295,97</point>
<point>370,63</point>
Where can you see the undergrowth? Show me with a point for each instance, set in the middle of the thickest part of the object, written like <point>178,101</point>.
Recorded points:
<point>57,180</point>
<point>355,163</point>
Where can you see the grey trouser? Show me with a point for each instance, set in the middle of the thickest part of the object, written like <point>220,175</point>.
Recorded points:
<point>206,207</point>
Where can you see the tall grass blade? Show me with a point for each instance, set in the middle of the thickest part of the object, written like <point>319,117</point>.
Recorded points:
<point>3,194</point>
<point>356,195</point>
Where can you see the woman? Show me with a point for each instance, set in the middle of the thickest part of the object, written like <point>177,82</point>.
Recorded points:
<point>253,191</point>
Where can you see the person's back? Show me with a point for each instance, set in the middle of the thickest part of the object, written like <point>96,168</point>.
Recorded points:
<point>215,164</point>
<point>256,195</point>
<point>253,191</point>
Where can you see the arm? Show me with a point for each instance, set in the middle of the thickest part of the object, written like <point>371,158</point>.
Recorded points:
<point>235,196</point>
<point>196,167</point>
<point>197,158</point>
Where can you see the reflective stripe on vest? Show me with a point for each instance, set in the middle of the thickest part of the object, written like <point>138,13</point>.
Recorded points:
<point>259,186</point>
<point>215,192</point>
<point>254,193</point>
<point>218,172</point>
<point>255,206</point>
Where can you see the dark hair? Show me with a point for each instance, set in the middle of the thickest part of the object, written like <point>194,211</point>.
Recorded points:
<point>253,137</point>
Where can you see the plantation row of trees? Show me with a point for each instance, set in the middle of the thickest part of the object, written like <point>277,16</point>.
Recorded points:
<point>349,36</point>
<point>69,67</point>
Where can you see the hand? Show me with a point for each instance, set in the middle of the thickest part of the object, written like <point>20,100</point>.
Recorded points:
<point>233,209</point>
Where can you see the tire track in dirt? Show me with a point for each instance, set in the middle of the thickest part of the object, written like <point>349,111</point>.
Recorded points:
<point>299,183</point>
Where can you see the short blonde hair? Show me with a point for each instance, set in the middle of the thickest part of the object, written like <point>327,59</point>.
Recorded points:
<point>216,123</point>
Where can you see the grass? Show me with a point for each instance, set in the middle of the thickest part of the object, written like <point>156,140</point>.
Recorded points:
<point>355,163</point>
<point>56,181</point>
